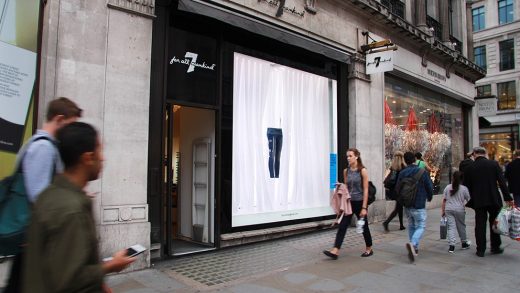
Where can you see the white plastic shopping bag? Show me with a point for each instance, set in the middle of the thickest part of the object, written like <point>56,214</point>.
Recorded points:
<point>503,221</point>
<point>514,229</point>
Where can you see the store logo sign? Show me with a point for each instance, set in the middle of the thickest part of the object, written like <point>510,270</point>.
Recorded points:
<point>486,107</point>
<point>190,59</point>
<point>380,62</point>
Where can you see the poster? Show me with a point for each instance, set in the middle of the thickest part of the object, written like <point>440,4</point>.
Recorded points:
<point>19,22</point>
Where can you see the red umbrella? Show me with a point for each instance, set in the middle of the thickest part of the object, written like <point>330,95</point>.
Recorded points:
<point>433,124</point>
<point>411,123</point>
<point>389,118</point>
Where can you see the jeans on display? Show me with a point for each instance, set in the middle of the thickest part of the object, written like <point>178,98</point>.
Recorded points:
<point>345,222</point>
<point>416,224</point>
<point>275,139</point>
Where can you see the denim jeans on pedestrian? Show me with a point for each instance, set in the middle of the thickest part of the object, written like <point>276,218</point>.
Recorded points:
<point>416,224</point>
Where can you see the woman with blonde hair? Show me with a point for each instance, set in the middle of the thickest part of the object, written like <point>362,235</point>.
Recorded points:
<point>355,177</point>
<point>390,182</point>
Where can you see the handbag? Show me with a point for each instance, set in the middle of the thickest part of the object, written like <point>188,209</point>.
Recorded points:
<point>444,228</point>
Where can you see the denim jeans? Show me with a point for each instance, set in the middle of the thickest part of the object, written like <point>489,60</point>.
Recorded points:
<point>416,224</point>
<point>275,140</point>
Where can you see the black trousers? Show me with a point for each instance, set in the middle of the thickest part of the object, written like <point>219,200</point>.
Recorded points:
<point>345,222</point>
<point>14,283</point>
<point>398,210</point>
<point>481,217</point>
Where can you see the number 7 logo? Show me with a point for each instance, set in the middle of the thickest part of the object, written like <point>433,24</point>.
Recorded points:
<point>193,58</point>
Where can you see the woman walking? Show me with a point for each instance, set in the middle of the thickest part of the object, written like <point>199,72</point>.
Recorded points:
<point>390,183</point>
<point>456,196</point>
<point>355,177</point>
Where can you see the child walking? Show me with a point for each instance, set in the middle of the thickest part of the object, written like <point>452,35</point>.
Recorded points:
<point>456,196</point>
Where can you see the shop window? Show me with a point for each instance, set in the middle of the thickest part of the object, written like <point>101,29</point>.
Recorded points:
<point>479,21</point>
<point>506,95</point>
<point>505,11</point>
<point>484,90</point>
<point>420,120</point>
<point>498,146</point>
<point>480,56</point>
<point>507,54</point>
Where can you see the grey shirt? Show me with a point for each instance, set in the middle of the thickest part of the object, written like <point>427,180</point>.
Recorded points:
<point>41,161</point>
<point>457,201</point>
<point>354,185</point>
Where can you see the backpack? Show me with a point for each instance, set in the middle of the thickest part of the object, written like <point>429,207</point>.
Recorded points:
<point>15,210</point>
<point>407,189</point>
<point>371,193</point>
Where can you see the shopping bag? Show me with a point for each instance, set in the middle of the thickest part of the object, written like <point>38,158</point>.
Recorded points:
<point>444,227</point>
<point>514,229</point>
<point>502,222</point>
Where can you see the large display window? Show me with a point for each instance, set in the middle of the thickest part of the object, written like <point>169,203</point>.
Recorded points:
<point>284,142</point>
<point>420,120</point>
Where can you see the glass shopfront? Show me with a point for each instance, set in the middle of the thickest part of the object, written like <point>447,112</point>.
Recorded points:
<point>420,120</point>
<point>500,142</point>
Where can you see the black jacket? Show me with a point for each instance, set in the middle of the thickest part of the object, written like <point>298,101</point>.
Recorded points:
<point>513,176</point>
<point>481,179</point>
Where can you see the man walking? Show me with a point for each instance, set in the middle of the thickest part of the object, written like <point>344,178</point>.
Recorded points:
<point>416,213</point>
<point>62,253</point>
<point>513,176</point>
<point>481,179</point>
<point>40,162</point>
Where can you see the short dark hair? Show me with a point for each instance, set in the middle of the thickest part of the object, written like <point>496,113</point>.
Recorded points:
<point>418,155</point>
<point>63,106</point>
<point>74,140</point>
<point>409,158</point>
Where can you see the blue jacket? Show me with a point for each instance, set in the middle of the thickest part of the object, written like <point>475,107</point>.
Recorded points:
<point>425,190</point>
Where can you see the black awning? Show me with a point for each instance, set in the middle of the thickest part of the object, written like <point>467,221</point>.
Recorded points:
<point>483,122</point>
<point>263,28</point>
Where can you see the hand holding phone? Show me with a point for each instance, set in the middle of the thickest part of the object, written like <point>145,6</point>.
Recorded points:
<point>135,250</point>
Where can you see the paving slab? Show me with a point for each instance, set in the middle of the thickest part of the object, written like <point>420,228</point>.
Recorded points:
<point>297,264</point>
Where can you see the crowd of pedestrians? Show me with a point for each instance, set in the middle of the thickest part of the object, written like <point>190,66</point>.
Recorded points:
<point>479,184</point>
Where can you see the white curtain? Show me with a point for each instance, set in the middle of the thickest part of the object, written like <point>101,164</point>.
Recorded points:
<point>268,95</point>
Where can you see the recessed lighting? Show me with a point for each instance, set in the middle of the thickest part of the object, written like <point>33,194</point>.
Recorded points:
<point>393,102</point>
<point>404,110</point>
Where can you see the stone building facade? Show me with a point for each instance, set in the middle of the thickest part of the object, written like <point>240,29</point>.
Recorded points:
<point>159,80</point>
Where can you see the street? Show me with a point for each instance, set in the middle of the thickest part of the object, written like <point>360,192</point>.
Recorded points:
<point>296,264</point>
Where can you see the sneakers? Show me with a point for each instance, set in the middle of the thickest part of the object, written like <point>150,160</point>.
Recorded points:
<point>466,244</point>
<point>412,253</point>
<point>451,249</point>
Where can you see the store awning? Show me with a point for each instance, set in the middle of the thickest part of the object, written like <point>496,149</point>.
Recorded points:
<point>262,27</point>
<point>483,122</point>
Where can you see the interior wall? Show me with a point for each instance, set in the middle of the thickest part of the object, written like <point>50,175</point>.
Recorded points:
<point>195,123</point>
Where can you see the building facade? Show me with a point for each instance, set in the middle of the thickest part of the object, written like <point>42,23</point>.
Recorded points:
<point>496,34</point>
<point>227,122</point>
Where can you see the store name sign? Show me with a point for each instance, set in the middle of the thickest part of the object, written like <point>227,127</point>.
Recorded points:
<point>280,4</point>
<point>190,59</point>
<point>436,75</point>
<point>380,62</point>
<point>486,107</point>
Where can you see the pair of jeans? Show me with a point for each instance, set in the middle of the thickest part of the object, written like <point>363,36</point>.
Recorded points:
<point>345,222</point>
<point>416,224</point>
<point>275,140</point>
<point>481,217</point>
<point>456,221</point>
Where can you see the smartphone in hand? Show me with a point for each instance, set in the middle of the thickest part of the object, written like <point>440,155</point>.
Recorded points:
<point>135,250</point>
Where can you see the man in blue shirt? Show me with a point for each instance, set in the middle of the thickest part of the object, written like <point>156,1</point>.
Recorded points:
<point>41,161</point>
<point>417,214</point>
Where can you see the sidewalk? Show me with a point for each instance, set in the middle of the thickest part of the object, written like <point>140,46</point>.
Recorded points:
<point>296,264</point>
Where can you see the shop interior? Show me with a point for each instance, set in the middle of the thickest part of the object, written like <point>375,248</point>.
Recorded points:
<point>191,176</point>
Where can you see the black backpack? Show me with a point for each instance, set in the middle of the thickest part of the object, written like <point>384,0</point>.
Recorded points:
<point>389,183</point>
<point>407,189</point>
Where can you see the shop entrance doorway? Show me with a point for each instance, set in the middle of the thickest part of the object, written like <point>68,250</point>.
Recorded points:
<point>189,179</point>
